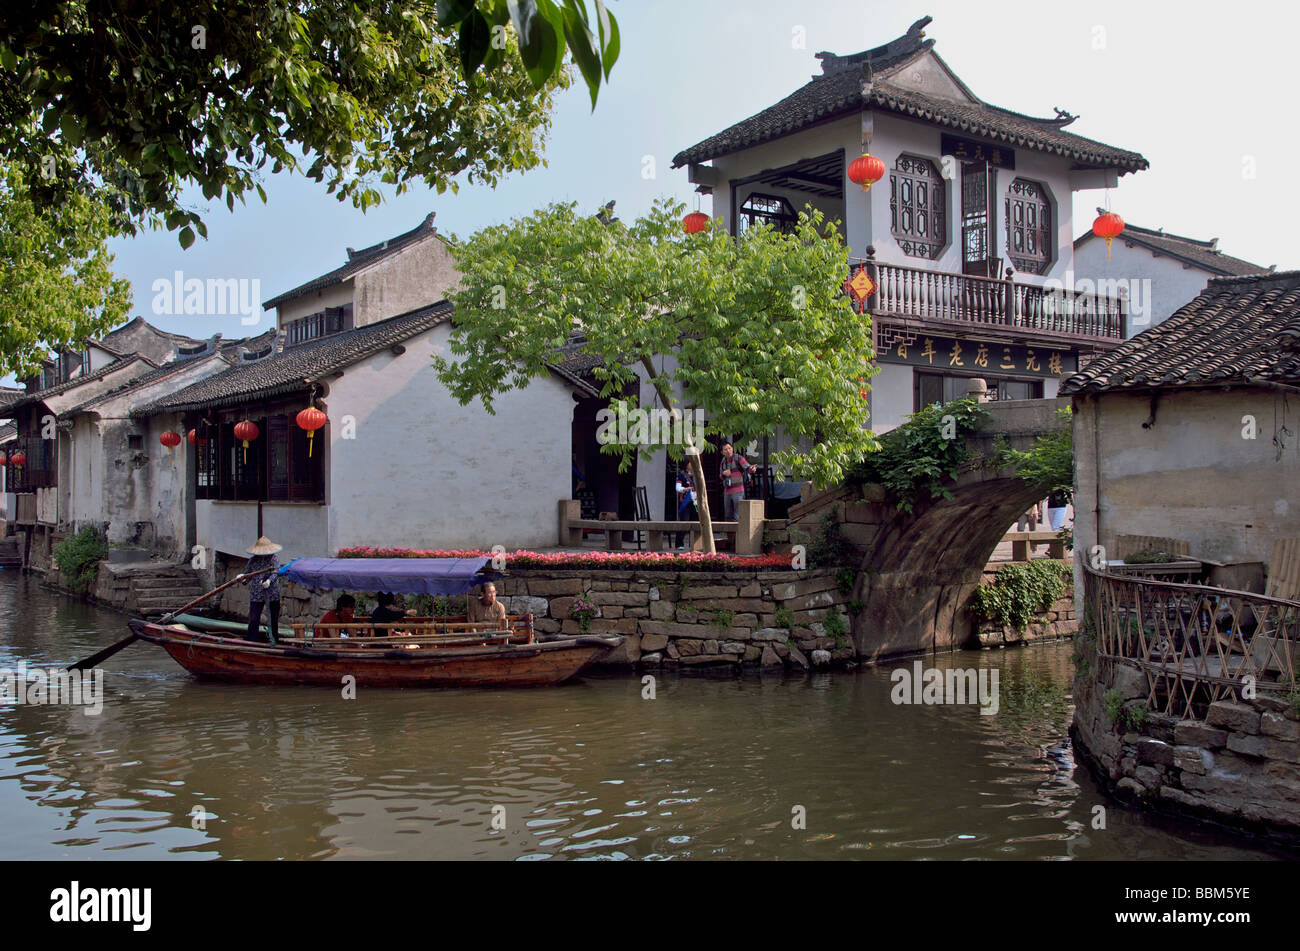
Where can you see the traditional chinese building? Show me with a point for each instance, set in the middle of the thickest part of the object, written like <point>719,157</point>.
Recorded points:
<point>967,238</point>
<point>1156,270</point>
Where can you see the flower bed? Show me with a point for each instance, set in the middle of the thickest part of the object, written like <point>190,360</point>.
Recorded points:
<point>594,559</point>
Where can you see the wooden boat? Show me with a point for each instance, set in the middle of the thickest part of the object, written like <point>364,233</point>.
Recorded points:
<point>415,652</point>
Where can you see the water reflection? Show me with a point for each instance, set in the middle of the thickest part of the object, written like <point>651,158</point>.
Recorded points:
<point>712,768</point>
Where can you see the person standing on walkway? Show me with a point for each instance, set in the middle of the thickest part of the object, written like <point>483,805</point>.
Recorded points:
<point>731,470</point>
<point>1056,505</point>
<point>685,500</point>
<point>264,589</point>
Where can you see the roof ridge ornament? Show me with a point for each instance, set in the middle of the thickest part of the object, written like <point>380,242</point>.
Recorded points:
<point>910,42</point>
<point>1063,116</point>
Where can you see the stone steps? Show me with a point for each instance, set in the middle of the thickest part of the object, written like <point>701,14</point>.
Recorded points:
<point>163,589</point>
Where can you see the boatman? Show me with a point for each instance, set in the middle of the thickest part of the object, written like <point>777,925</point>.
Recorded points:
<point>486,608</point>
<point>264,589</point>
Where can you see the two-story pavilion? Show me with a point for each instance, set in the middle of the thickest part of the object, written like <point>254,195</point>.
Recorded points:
<point>966,236</point>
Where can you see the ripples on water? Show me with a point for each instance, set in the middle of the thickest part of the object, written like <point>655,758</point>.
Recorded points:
<point>711,768</point>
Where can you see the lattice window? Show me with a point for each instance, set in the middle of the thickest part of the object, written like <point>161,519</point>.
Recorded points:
<point>918,207</point>
<point>1029,231</point>
<point>773,209</point>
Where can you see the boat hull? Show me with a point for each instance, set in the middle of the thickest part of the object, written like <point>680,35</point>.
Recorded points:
<point>235,660</point>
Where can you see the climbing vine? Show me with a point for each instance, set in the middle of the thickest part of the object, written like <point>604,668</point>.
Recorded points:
<point>917,460</point>
<point>1019,591</point>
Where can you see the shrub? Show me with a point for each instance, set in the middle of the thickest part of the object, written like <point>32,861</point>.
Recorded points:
<point>78,557</point>
<point>582,611</point>
<point>844,579</point>
<point>784,618</point>
<point>836,628</point>
<point>916,460</point>
<point>1019,591</point>
<point>831,549</point>
<point>1149,556</point>
<point>722,618</point>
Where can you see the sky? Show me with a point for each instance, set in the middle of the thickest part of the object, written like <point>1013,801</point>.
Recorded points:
<point>1204,92</point>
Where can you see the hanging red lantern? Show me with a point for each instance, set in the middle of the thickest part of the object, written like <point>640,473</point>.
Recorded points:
<point>170,439</point>
<point>19,459</point>
<point>4,459</point>
<point>695,222</point>
<point>866,170</point>
<point>311,419</point>
<point>1108,225</point>
<point>195,439</point>
<point>246,431</point>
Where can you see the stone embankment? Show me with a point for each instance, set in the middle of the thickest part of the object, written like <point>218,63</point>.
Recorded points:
<point>687,618</point>
<point>1239,766</point>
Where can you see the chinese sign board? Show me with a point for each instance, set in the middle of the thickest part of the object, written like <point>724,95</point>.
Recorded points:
<point>969,150</point>
<point>950,353</point>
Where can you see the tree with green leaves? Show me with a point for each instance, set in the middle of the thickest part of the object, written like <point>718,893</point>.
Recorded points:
<point>56,273</point>
<point>139,100</point>
<point>760,333</point>
<point>1049,465</point>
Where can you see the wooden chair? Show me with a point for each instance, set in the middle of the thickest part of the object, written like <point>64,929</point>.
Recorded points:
<point>642,512</point>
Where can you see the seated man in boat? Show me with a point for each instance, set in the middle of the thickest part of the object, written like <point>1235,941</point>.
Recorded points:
<point>486,608</point>
<point>385,611</point>
<point>342,614</point>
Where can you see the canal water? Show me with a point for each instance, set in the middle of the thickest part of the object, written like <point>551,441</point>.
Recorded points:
<point>812,767</point>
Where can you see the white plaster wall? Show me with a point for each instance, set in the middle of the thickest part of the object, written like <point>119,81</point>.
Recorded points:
<point>314,302</point>
<point>892,397</point>
<point>1172,283</point>
<point>1190,476</point>
<point>421,274</point>
<point>866,214</point>
<point>424,471</point>
<point>302,529</point>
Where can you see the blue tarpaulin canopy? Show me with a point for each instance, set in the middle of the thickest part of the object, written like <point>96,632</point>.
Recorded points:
<point>394,575</point>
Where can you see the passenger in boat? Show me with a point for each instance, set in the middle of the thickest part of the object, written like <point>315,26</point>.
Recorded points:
<point>264,589</point>
<point>386,612</point>
<point>342,614</point>
<point>486,607</point>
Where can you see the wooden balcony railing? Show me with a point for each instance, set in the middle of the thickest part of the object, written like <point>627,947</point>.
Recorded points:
<point>944,296</point>
<point>1196,644</point>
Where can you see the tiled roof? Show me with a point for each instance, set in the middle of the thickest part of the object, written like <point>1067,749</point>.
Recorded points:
<point>1240,330</point>
<point>145,379</point>
<point>7,432</point>
<point>850,84</point>
<point>1202,254</point>
<point>358,260</point>
<point>108,368</point>
<point>9,396</point>
<point>297,367</point>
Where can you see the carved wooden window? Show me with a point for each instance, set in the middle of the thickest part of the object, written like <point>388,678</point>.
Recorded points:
<point>1029,227</point>
<point>918,207</point>
<point>773,209</point>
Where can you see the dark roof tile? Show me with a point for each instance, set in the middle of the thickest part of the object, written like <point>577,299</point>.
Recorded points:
<point>1202,254</point>
<point>1240,330</point>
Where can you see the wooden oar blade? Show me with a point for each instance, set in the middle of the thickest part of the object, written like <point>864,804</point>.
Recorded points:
<point>95,660</point>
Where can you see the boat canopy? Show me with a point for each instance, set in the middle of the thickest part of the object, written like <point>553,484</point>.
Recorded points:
<point>393,575</point>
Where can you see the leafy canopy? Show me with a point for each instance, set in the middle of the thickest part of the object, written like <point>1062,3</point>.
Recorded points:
<point>139,100</point>
<point>1049,465</point>
<point>56,273</point>
<point>760,333</point>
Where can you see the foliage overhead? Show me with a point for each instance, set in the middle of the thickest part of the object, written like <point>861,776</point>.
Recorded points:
<point>1049,465</point>
<point>761,334</point>
<point>917,459</point>
<point>140,100</point>
<point>55,271</point>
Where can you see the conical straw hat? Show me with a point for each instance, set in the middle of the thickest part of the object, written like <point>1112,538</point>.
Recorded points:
<point>264,546</point>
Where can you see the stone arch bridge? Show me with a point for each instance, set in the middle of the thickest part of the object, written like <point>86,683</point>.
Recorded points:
<point>920,568</point>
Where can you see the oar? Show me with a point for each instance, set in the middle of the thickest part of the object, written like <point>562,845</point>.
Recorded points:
<point>96,659</point>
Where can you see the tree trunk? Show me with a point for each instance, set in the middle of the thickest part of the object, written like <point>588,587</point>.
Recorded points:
<point>697,467</point>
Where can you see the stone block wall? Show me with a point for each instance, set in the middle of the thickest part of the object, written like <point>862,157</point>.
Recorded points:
<point>1239,766</point>
<point>1057,621</point>
<point>688,618</point>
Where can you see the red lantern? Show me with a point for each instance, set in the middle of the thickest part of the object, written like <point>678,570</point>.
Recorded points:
<point>170,439</point>
<point>311,419</point>
<point>195,439</point>
<point>19,459</point>
<point>246,430</point>
<point>3,458</point>
<point>695,222</point>
<point>1108,225</point>
<point>866,170</point>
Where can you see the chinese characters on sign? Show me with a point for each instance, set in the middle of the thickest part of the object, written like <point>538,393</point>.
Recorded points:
<point>968,150</point>
<point>969,354</point>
